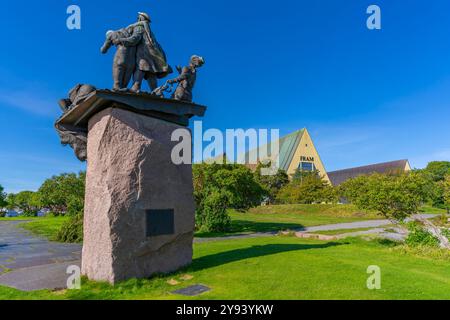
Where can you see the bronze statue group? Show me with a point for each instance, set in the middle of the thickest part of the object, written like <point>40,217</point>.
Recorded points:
<point>140,57</point>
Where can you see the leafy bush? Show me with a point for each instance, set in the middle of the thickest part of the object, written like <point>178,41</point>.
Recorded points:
<point>29,213</point>
<point>218,187</point>
<point>395,196</point>
<point>72,230</point>
<point>2,197</point>
<point>438,170</point>
<point>75,205</point>
<point>212,216</point>
<point>307,188</point>
<point>27,201</point>
<point>423,251</point>
<point>419,236</point>
<point>271,183</point>
<point>446,191</point>
<point>446,233</point>
<point>237,181</point>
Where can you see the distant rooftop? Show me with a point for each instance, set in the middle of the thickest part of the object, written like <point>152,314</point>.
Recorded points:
<point>340,176</point>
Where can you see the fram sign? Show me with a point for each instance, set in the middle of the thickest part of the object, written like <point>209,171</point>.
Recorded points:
<point>310,159</point>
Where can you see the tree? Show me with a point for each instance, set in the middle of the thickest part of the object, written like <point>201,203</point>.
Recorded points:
<point>307,188</point>
<point>438,170</point>
<point>64,193</point>
<point>3,202</point>
<point>10,201</point>
<point>25,201</point>
<point>271,183</point>
<point>435,173</point>
<point>446,187</point>
<point>240,187</point>
<point>237,182</point>
<point>223,186</point>
<point>393,196</point>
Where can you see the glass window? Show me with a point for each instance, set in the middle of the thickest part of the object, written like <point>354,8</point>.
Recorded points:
<point>307,166</point>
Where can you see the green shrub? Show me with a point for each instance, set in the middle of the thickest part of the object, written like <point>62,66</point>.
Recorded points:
<point>29,213</point>
<point>395,195</point>
<point>423,251</point>
<point>271,183</point>
<point>307,188</point>
<point>237,181</point>
<point>419,236</point>
<point>446,233</point>
<point>212,216</point>
<point>72,230</point>
<point>75,205</point>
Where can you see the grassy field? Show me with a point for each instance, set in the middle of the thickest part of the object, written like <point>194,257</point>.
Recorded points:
<point>281,268</point>
<point>260,219</point>
<point>289,217</point>
<point>46,227</point>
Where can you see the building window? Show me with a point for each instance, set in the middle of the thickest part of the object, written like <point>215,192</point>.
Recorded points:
<point>307,166</point>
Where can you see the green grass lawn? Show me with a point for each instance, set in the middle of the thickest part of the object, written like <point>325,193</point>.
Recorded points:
<point>260,219</point>
<point>19,218</point>
<point>282,268</point>
<point>47,227</point>
<point>289,217</point>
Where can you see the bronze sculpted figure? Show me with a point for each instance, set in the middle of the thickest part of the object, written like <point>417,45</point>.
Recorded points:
<point>77,94</point>
<point>71,135</point>
<point>141,56</point>
<point>151,62</point>
<point>124,59</point>
<point>186,79</point>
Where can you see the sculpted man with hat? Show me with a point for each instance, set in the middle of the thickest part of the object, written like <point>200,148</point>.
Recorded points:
<point>151,62</point>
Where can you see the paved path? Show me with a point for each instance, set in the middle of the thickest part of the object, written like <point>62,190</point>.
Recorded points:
<point>32,262</point>
<point>327,227</point>
<point>28,262</point>
<point>359,224</point>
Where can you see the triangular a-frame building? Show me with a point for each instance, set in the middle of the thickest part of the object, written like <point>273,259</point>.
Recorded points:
<point>296,151</point>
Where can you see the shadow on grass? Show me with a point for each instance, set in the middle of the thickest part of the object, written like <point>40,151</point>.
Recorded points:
<point>221,258</point>
<point>243,226</point>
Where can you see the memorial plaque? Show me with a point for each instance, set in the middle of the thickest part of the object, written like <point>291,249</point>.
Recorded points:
<point>160,222</point>
<point>192,291</point>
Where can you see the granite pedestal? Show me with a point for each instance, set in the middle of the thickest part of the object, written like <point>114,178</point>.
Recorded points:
<point>139,206</point>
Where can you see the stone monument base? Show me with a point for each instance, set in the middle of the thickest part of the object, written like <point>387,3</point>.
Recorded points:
<point>139,208</point>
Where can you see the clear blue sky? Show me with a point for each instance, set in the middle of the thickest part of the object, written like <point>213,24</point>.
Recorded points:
<point>366,96</point>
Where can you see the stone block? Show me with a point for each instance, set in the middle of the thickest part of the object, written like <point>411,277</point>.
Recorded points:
<point>132,184</point>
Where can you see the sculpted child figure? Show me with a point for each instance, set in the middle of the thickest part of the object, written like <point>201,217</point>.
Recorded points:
<point>186,79</point>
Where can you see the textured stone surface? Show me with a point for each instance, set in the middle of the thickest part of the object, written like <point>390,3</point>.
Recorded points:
<point>129,172</point>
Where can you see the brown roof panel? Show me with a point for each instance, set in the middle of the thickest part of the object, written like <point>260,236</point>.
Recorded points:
<point>340,176</point>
